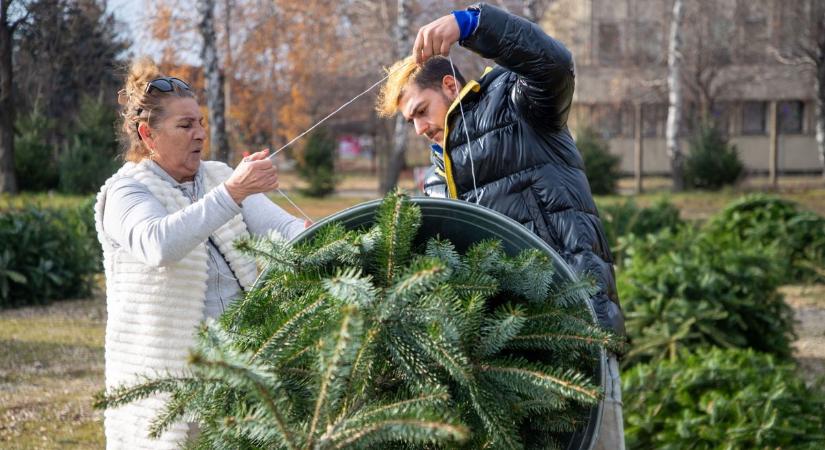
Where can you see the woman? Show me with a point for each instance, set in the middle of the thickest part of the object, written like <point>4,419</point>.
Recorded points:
<point>167,222</point>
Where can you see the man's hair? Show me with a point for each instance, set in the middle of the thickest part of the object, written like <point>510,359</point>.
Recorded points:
<point>404,71</point>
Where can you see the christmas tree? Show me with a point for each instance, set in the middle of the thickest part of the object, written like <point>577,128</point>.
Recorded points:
<point>360,339</point>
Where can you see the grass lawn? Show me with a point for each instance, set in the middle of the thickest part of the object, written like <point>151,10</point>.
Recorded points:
<point>51,363</point>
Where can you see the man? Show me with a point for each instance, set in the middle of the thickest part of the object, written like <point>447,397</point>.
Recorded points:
<point>503,142</point>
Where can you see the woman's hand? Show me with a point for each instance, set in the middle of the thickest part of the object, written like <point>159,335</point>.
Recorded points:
<point>254,175</point>
<point>436,38</point>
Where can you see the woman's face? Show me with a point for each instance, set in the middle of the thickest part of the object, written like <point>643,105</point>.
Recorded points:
<point>177,140</point>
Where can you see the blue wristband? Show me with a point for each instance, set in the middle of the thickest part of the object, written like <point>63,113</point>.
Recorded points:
<point>467,22</point>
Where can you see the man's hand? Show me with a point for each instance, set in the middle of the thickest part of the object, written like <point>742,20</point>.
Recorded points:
<point>254,175</point>
<point>436,38</point>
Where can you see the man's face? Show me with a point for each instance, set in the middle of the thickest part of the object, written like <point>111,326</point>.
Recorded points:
<point>426,108</point>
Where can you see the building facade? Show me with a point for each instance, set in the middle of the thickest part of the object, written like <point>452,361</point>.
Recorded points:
<point>737,74</point>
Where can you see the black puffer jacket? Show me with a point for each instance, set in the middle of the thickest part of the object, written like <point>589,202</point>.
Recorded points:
<point>526,162</point>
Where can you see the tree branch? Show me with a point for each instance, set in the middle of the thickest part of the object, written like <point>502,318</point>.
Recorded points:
<point>791,61</point>
<point>19,21</point>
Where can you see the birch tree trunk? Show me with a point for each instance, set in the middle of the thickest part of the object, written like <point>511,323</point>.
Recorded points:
<point>674,109</point>
<point>399,142</point>
<point>218,142</point>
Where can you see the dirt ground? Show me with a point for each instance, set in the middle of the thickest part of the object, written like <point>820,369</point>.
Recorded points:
<point>808,303</point>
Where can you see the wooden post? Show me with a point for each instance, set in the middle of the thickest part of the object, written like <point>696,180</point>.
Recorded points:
<point>774,145</point>
<point>638,149</point>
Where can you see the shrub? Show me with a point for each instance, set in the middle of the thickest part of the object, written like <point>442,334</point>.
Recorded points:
<point>764,220</point>
<point>716,398</point>
<point>690,288</point>
<point>600,166</point>
<point>383,344</point>
<point>34,156</point>
<point>47,254</point>
<point>91,156</point>
<point>625,218</point>
<point>711,162</point>
<point>318,165</point>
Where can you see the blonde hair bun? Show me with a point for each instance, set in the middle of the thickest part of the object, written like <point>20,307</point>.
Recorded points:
<point>141,72</point>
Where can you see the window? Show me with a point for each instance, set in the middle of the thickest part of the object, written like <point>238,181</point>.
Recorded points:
<point>607,121</point>
<point>753,117</point>
<point>689,122</point>
<point>649,46</point>
<point>790,116</point>
<point>653,119</point>
<point>756,40</point>
<point>720,116</point>
<point>610,48</point>
<point>720,41</point>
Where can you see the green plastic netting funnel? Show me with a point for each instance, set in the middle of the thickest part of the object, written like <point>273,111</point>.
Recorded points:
<point>464,224</point>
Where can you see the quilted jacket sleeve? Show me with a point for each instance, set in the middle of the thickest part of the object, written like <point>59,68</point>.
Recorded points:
<point>543,91</point>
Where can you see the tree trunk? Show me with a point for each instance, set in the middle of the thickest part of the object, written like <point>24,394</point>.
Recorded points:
<point>820,91</point>
<point>219,145</point>
<point>773,147</point>
<point>396,159</point>
<point>8,180</point>
<point>530,12</point>
<point>227,85</point>
<point>638,149</point>
<point>674,110</point>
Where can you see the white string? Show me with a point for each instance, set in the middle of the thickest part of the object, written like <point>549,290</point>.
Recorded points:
<point>316,125</point>
<point>331,114</point>
<point>294,205</point>
<point>466,133</point>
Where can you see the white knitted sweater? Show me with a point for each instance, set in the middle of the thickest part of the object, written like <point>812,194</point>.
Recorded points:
<point>153,312</point>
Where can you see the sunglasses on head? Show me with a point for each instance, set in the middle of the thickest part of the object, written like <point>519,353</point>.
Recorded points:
<point>162,84</point>
<point>166,84</point>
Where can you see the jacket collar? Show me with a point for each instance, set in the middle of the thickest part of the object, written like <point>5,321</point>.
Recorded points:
<point>472,86</point>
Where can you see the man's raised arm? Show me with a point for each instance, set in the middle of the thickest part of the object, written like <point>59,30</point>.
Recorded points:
<point>544,90</point>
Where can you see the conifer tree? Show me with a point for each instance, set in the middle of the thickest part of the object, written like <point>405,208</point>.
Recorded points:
<point>361,339</point>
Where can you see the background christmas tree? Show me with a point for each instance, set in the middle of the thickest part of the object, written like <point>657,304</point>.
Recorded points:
<point>356,339</point>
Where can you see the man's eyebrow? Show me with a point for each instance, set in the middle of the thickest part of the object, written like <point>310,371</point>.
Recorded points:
<point>413,109</point>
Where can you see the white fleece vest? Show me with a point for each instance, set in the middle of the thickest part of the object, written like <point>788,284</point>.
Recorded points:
<point>153,312</point>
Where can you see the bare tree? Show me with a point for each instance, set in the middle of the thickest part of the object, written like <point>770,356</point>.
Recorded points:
<point>399,142</point>
<point>806,47</point>
<point>533,10</point>
<point>8,180</point>
<point>674,109</point>
<point>214,82</point>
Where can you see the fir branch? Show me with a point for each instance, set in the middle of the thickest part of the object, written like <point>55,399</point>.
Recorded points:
<point>267,251</point>
<point>398,222</point>
<point>424,274</point>
<point>249,378</point>
<point>287,328</point>
<point>573,293</point>
<point>410,430</point>
<point>505,323</point>
<point>174,409</point>
<point>444,250</point>
<point>515,374</point>
<point>335,363</point>
<point>351,287</point>
<point>215,359</point>
<point>125,394</point>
